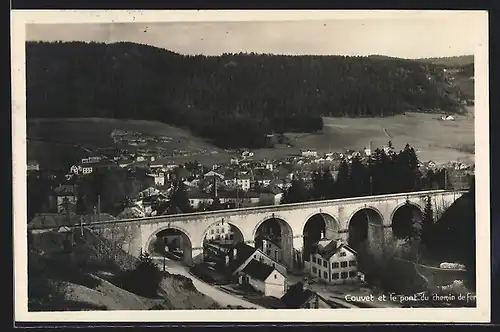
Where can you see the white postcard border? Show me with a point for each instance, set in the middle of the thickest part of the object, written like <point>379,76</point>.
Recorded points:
<point>19,20</point>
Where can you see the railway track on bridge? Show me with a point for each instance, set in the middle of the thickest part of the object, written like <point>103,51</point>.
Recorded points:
<point>260,209</point>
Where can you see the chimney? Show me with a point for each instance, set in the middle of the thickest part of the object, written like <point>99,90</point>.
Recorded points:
<point>322,235</point>
<point>235,253</point>
<point>264,244</point>
<point>339,242</point>
<point>227,260</point>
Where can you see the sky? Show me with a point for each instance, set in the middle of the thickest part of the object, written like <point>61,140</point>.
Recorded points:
<point>405,38</point>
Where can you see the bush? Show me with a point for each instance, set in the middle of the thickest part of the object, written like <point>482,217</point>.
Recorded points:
<point>144,280</point>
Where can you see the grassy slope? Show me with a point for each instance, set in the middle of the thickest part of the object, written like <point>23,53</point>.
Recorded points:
<point>92,289</point>
<point>436,140</point>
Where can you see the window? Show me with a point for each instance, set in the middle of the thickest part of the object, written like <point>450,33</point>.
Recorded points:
<point>325,275</point>
<point>319,273</point>
<point>335,276</point>
<point>335,265</point>
<point>343,264</point>
<point>275,276</point>
<point>217,230</point>
<point>352,274</point>
<point>352,263</point>
<point>318,261</point>
<point>325,264</point>
<point>342,254</point>
<point>268,251</point>
<point>344,275</point>
<point>314,269</point>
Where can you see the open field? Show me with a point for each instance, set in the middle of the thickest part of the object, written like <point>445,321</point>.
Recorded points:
<point>435,140</point>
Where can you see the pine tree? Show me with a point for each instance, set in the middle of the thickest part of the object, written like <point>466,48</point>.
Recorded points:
<point>328,184</point>
<point>317,191</point>
<point>342,185</point>
<point>180,200</point>
<point>427,221</point>
<point>296,193</point>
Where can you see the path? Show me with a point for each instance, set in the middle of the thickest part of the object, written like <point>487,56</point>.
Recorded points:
<point>216,294</point>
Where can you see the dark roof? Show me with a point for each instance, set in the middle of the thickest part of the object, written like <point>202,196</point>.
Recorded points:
<point>332,248</point>
<point>297,296</point>
<point>243,252</point>
<point>65,190</point>
<point>271,189</point>
<point>196,193</point>
<point>258,270</point>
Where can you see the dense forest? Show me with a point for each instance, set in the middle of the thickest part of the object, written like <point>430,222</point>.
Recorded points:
<point>221,97</point>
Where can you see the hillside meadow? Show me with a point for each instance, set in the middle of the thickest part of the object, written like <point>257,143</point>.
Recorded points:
<point>434,139</point>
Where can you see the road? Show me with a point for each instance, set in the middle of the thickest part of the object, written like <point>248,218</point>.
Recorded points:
<point>221,297</point>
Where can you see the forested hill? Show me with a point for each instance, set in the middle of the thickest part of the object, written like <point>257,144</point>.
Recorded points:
<point>221,97</point>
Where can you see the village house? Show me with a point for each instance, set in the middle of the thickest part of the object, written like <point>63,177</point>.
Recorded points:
<point>89,167</point>
<point>32,165</point>
<point>270,195</point>
<point>243,182</point>
<point>334,262</point>
<point>271,249</point>
<point>299,296</point>
<point>198,198</point>
<point>241,254</point>
<point>309,154</point>
<point>239,198</point>
<point>263,278</point>
<point>63,199</point>
<point>220,231</point>
<point>159,178</point>
<point>263,177</point>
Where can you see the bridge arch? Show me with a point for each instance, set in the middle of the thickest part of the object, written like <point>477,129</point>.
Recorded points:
<point>223,230</point>
<point>179,243</point>
<point>316,226</point>
<point>404,217</point>
<point>366,229</point>
<point>274,236</point>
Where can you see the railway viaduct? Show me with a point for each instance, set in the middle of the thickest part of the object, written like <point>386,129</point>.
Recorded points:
<point>373,218</point>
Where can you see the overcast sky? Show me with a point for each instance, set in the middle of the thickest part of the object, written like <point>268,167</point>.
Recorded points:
<point>406,38</point>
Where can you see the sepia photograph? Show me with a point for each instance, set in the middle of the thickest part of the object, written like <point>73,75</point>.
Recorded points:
<point>171,162</point>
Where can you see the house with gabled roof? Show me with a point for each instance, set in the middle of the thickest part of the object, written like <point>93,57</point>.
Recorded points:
<point>263,278</point>
<point>333,262</point>
<point>299,296</point>
<point>241,254</point>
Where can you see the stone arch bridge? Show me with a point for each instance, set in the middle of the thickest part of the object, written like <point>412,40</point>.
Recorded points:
<point>378,215</point>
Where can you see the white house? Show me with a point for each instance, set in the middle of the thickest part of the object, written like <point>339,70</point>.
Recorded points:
<point>221,230</point>
<point>334,262</point>
<point>159,178</point>
<point>81,169</point>
<point>263,278</point>
<point>243,182</point>
<point>309,154</point>
<point>198,198</point>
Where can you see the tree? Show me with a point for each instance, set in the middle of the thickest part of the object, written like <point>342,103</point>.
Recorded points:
<point>328,184</point>
<point>342,185</point>
<point>145,278</point>
<point>179,199</point>
<point>296,193</point>
<point>427,221</point>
